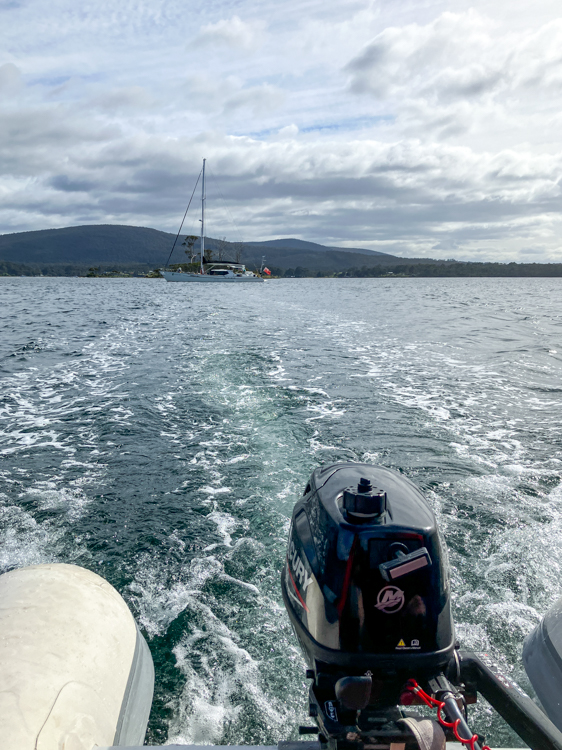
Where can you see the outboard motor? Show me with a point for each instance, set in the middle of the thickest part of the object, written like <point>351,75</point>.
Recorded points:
<point>366,587</point>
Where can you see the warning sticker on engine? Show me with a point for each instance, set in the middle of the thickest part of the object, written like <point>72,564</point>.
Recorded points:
<point>414,645</point>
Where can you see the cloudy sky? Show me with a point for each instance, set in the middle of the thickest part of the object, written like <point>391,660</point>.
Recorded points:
<point>416,127</point>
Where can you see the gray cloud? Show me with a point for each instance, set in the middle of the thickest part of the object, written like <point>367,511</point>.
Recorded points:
<point>65,183</point>
<point>126,99</point>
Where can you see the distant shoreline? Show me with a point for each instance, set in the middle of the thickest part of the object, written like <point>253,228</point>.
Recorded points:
<point>536,274</point>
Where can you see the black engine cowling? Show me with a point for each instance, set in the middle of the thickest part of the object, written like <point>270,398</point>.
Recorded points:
<point>365,581</point>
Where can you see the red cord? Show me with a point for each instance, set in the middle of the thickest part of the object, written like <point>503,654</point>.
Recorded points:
<point>413,687</point>
<point>347,577</point>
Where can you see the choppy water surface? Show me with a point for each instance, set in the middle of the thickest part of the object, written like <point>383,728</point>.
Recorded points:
<point>159,434</point>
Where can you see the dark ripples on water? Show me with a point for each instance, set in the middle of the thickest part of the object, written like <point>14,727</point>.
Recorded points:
<point>159,435</point>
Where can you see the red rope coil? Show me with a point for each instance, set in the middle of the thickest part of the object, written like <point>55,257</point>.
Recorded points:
<point>413,687</point>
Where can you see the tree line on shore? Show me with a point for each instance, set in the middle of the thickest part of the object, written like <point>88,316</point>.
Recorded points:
<point>7,268</point>
<point>425,270</point>
<point>419,270</point>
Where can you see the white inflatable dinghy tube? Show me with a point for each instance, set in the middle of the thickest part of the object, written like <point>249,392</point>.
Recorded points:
<point>75,672</point>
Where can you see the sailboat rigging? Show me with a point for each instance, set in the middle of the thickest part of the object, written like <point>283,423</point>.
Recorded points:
<point>209,272</point>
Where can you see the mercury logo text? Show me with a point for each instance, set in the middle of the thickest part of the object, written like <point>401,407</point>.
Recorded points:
<point>298,568</point>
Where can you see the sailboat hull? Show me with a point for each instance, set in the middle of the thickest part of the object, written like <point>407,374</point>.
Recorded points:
<point>199,278</point>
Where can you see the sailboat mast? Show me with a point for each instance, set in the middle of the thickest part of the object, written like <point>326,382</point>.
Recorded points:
<point>203,196</point>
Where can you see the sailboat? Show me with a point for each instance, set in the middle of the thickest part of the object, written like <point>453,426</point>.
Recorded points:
<point>219,272</point>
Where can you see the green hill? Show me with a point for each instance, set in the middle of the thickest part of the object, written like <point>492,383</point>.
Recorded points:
<point>88,245</point>
<point>108,245</point>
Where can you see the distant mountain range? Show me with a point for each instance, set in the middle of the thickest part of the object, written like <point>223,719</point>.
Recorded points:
<point>72,251</point>
<point>109,245</point>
